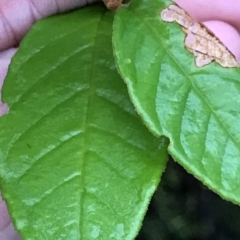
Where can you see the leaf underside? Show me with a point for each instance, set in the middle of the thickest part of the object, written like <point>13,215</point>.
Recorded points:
<point>198,109</point>
<point>76,161</point>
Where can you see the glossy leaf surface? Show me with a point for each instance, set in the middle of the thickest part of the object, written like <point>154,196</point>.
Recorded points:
<point>76,160</point>
<point>198,109</point>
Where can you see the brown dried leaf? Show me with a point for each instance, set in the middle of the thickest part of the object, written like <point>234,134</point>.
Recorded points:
<point>199,40</point>
<point>113,4</point>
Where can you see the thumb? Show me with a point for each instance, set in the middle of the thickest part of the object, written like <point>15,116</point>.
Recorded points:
<point>17,16</point>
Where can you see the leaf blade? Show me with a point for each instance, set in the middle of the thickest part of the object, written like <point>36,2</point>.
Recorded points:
<point>196,108</point>
<point>80,144</point>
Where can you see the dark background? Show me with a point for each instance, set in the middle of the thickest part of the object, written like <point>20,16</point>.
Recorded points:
<point>182,208</point>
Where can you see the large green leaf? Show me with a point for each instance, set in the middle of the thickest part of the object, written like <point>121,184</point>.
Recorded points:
<point>198,109</point>
<point>76,161</point>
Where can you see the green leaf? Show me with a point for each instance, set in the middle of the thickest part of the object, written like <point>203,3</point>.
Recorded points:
<point>76,161</point>
<point>198,109</point>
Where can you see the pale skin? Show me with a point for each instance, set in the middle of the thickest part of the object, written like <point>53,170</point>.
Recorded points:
<point>17,16</point>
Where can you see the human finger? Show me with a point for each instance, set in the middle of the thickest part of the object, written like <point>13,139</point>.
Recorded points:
<point>7,231</point>
<point>17,16</point>
<point>228,35</point>
<point>221,10</point>
<point>5,58</point>
<point>221,17</point>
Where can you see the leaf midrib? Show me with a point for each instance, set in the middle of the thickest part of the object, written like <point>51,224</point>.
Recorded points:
<point>86,124</point>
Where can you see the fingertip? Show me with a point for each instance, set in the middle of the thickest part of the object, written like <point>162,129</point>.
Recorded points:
<point>5,59</point>
<point>8,54</point>
<point>228,35</point>
<point>220,10</point>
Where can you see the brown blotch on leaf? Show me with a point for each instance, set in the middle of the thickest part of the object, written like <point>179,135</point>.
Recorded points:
<point>199,39</point>
<point>113,4</point>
